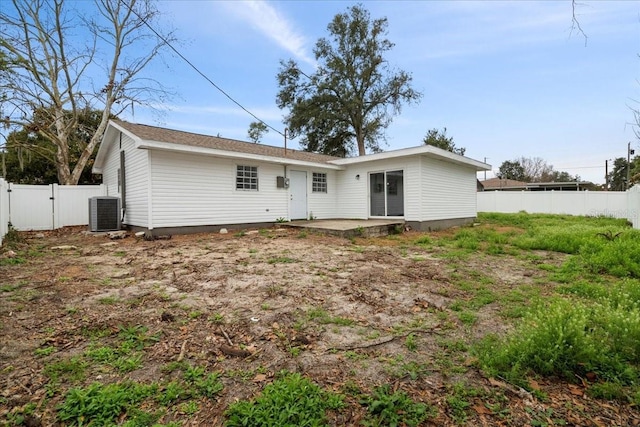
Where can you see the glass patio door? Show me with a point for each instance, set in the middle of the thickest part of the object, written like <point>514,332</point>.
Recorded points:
<point>386,193</point>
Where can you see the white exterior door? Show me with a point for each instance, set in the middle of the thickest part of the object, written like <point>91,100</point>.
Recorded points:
<point>298,194</point>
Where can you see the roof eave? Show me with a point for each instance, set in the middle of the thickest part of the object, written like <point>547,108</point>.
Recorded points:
<point>423,150</point>
<point>168,146</point>
<point>113,128</point>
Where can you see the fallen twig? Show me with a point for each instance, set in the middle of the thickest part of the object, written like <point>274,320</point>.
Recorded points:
<point>182,351</point>
<point>226,336</point>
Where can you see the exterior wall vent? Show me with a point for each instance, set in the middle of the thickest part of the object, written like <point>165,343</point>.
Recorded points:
<point>104,213</point>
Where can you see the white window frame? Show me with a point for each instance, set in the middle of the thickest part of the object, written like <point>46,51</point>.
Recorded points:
<point>247,178</point>
<point>319,182</point>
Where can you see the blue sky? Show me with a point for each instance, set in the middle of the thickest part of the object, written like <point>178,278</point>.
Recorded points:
<point>507,79</point>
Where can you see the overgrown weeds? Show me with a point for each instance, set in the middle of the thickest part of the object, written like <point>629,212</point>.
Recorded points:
<point>597,338</point>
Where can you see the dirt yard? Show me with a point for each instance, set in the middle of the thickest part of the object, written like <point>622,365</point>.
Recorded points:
<point>345,313</point>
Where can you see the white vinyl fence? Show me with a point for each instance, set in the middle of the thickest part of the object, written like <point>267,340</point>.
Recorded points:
<point>616,204</point>
<point>4,208</point>
<point>45,207</point>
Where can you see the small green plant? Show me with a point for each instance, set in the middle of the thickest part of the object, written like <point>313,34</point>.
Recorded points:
<point>108,300</point>
<point>411,342</point>
<point>10,288</point>
<point>217,318</point>
<point>291,400</point>
<point>394,409</point>
<point>210,385</point>
<point>281,220</point>
<point>320,315</point>
<point>281,260</point>
<point>467,317</point>
<point>189,408</point>
<point>44,351</point>
<point>423,241</point>
<point>18,416</point>
<point>274,290</point>
<point>72,369</point>
<point>13,237</point>
<point>101,404</point>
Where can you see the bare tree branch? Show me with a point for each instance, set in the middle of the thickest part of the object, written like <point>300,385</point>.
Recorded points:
<point>575,23</point>
<point>51,85</point>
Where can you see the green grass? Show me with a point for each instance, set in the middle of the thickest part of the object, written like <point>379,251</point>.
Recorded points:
<point>590,240</point>
<point>320,315</point>
<point>291,400</point>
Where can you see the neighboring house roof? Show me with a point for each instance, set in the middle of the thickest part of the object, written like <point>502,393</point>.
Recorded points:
<point>501,184</point>
<point>494,184</point>
<point>152,137</point>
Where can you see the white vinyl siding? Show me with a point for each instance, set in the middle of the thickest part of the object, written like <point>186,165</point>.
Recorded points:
<point>192,190</point>
<point>448,190</point>
<point>136,180</point>
<point>353,183</point>
<point>324,205</point>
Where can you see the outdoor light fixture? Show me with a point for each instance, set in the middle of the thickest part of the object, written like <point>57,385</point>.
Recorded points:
<point>358,176</point>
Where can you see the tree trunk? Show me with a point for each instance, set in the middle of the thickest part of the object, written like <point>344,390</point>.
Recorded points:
<point>360,140</point>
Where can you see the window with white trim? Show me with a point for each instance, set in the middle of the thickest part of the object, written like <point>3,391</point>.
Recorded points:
<point>319,183</point>
<point>247,178</point>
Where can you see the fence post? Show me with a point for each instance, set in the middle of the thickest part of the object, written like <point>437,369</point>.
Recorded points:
<point>55,211</point>
<point>4,209</point>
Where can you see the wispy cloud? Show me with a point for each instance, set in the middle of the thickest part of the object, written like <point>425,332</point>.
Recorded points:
<point>268,20</point>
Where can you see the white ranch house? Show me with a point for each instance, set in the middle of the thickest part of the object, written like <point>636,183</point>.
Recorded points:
<point>176,182</point>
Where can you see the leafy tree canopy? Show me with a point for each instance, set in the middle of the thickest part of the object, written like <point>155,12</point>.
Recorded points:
<point>353,94</point>
<point>512,170</point>
<point>28,157</point>
<point>617,178</point>
<point>440,139</point>
<point>256,131</point>
<point>533,169</point>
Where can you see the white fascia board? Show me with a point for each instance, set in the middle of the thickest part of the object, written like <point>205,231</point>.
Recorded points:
<point>423,150</point>
<point>168,146</point>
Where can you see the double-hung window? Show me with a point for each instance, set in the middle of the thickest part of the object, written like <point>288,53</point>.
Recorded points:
<point>247,178</point>
<point>319,183</point>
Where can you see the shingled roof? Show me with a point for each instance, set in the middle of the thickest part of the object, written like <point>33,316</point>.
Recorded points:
<point>158,134</point>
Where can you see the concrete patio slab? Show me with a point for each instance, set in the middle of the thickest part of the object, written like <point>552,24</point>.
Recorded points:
<point>350,227</point>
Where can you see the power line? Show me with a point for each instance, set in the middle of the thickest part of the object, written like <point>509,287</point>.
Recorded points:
<point>144,21</point>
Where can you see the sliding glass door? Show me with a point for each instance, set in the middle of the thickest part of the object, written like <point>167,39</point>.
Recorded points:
<point>386,193</point>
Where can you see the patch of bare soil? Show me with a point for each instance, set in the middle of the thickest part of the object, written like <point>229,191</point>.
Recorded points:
<point>253,304</point>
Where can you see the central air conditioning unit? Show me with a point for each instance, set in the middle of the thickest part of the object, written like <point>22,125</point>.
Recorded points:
<point>104,213</point>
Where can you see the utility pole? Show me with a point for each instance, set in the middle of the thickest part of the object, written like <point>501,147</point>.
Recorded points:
<point>485,172</point>
<point>606,175</point>
<point>629,153</point>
